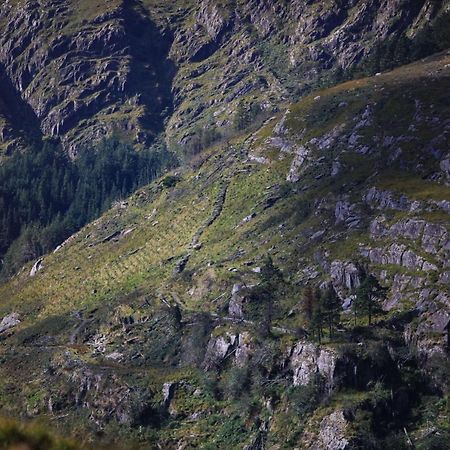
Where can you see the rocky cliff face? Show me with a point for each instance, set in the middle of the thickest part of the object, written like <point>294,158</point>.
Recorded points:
<point>85,70</point>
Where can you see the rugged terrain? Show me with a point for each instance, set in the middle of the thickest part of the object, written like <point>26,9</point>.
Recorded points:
<point>81,70</point>
<point>144,328</point>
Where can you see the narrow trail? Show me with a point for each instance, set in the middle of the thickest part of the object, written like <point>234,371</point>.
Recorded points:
<point>218,207</point>
<point>215,214</point>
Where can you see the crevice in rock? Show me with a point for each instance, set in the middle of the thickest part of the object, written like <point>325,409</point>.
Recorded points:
<point>151,70</point>
<point>18,113</point>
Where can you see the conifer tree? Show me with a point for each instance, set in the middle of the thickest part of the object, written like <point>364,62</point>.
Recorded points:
<point>331,306</point>
<point>265,293</point>
<point>317,319</point>
<point>368,296</point>
<point>307,305</point>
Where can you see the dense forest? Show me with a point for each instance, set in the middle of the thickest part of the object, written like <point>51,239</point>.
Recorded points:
<point>45,197</point>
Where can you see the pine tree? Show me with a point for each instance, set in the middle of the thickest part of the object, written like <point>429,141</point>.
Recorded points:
<point>331,306</point>
<point>368,296</point>
<point>265,293</point>
<point>240,117</point>
<point>307,305</point>
<point>317,319</point>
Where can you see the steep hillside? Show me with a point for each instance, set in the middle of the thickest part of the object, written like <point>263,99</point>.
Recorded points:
<point>165,321</point>
<point>82,70</point>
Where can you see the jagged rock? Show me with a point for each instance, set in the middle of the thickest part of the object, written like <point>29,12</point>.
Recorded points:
<point>302,153</point>
<point>217,350</point>
<point>400,286</point>
<point>280,127</point>
<point>168,392</point>
<point>317,236</point>
<point>308,360</point>
<point>333,433</point>
<point>387,200</point>
<point>336,168</point>
<point>258,159</point>
<point>280,143</point>
<point>103,393</point>
<point>347,305</point>
<point>244,349</point>
<point>37,266</point>
<point>444,278</point>
<point>399,255</point>
<point>181,264</point>
<point>342,211</point>
<point>345,274</point>
<point>235,308</point>
<point>410,228</point>
<point>115,356</point>
<point>93,65</point>
<point>345,213</point>
<point>247,219</point>
<point>439,321</point>
<point>298,164</point>
<point>442,204</point>
<point>433,238</point>
<point>10,321</point>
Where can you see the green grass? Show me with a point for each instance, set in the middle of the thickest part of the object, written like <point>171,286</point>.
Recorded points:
<point>414,187</point>
<point>36,436</point>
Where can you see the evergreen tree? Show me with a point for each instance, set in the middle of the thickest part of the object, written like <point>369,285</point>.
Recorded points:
<point>368,296</point>
<point>317,320</point>
<point>307,305</point>
<point>331,307</point>
<point>240,117</point>
<point>264,294</point>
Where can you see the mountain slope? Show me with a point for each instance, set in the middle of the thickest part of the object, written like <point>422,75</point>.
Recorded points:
<point>90,69</point>
<point>146,324</point>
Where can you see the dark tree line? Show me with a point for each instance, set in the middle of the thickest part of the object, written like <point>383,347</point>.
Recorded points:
<point>45,197</point>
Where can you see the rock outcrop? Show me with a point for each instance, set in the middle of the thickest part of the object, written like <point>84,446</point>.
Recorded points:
<point>309,360</point>
<point>9,321</point>
<point>333,432</point>
<point>218,349</point>
<point>235,308</point>
<point>345,274</point>
<point>101,392</point>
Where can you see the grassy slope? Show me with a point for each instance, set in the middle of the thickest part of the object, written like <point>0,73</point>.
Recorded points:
<point>87,274</point>
<point>74,272</point>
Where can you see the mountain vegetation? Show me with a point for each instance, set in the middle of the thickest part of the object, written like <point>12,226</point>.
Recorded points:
<point>45,197</point>
<point>224,224</point>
